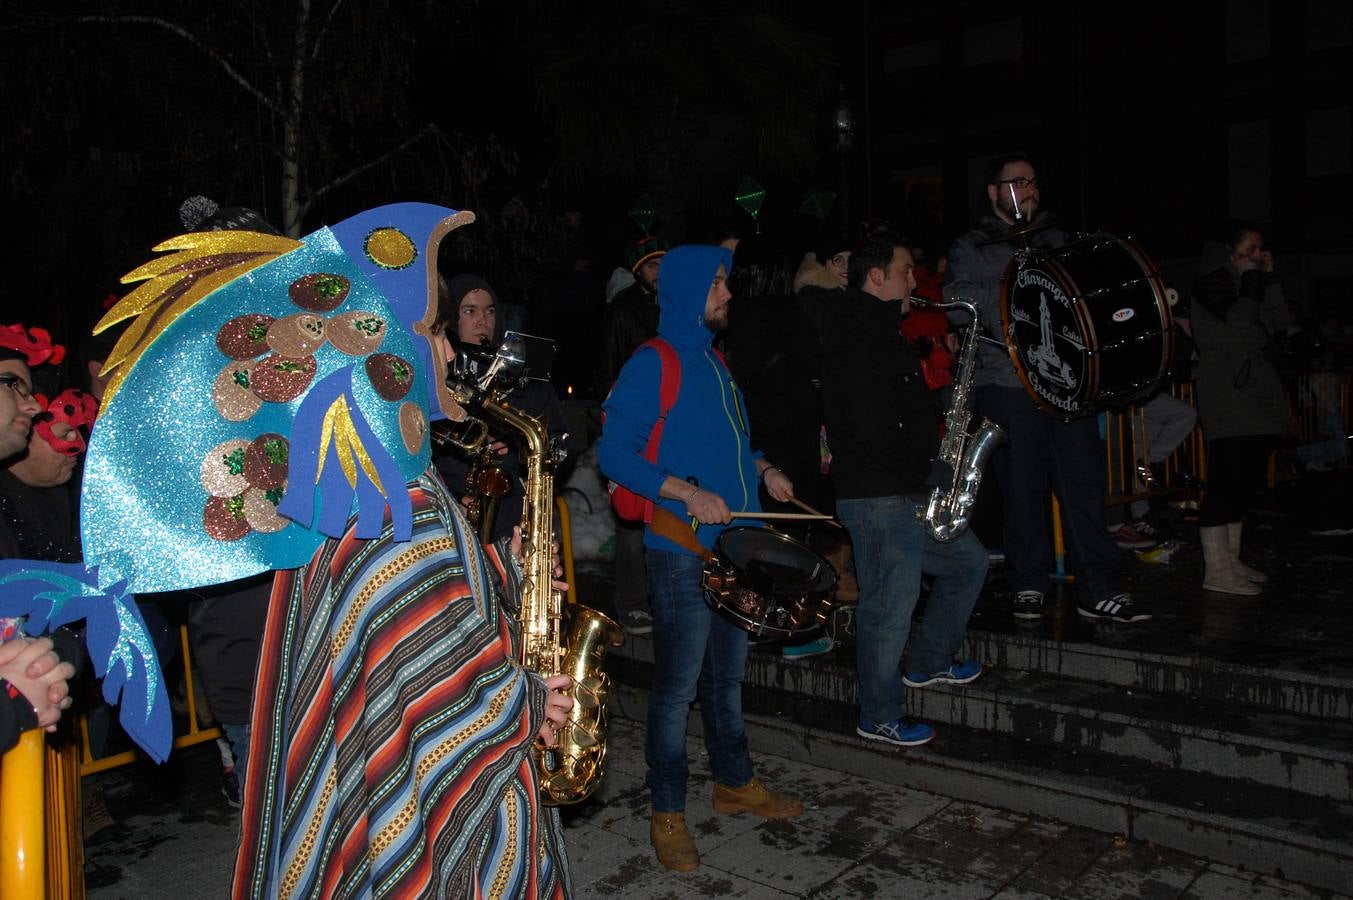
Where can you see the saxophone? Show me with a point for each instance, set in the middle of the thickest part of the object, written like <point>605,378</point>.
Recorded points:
<point>571,770</point>
<point>947,511</point>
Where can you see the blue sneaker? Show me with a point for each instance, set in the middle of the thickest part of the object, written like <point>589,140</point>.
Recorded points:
<point>816,647</point>
<point>903,732</point>
<point>959,672</point>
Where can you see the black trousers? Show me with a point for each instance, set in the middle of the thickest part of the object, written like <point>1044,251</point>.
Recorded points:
<point>1236,470</point>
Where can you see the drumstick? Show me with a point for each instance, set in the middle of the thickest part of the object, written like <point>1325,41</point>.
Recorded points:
<point>751,514</point>
<point>806,508</point>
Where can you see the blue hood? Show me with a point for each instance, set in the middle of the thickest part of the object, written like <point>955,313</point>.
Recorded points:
<point>683,287</point>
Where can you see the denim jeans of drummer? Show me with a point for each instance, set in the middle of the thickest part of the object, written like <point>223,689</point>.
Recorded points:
<point>892,549</point>
<point>697,653</point>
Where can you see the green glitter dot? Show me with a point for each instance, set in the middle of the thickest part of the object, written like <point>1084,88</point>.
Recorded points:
<point>241,377</point>
<point>273,496</point>
<point>275,451</point>
<point>287,365</point>
<point>258,331</point>
<point>330,285</point>
<point>235,506</point>
<point>401,372</point>
<point>234,461</point>
<point>371,326</point>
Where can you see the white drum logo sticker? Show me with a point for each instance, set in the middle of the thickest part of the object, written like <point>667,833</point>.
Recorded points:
<point>1124,314</point>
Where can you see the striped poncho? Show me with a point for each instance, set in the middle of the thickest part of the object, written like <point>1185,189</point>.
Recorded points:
<point>391,728</point>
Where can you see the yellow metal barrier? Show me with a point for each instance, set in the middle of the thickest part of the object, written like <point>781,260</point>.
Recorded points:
<point>566,546</point>
<point>22,854</point>
<point>196,734</point>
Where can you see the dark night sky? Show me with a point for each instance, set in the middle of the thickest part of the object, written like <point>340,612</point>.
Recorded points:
<point>1127,110</point>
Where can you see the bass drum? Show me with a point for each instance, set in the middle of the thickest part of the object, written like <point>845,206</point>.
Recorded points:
<point>1087,324</point>
<point>769,583</point>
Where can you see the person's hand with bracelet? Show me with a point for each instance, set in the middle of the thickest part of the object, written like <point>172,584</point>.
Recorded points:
<point>706,507</point>
<point>777,483</point>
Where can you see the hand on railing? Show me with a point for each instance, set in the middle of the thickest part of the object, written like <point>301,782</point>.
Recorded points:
<point>38,677</point>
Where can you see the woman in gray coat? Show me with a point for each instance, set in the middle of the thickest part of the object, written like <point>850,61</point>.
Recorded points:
<point>1238,314</point>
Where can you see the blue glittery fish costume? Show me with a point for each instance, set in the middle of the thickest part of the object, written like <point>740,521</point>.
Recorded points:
<point>265,391</point>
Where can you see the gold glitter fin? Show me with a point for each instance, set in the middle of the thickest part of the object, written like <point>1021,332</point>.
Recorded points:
<point>348,446</point>
<point>203,262</point>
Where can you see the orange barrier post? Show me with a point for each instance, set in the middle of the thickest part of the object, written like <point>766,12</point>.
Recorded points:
<point>22,855</point>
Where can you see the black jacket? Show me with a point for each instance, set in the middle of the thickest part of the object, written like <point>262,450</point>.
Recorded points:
<point>882,422</point>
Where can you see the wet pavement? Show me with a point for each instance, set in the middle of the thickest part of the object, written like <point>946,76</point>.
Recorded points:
<point>856,838</point>
<point>873,838</point>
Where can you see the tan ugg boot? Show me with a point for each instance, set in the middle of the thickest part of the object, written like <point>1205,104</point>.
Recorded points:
<point>1218,573</point>
<point>672,842</point>
<point>754,797</point>
<point>1233,530</point>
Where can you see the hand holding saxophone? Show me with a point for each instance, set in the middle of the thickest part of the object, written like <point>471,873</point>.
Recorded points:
<point>557,705</point>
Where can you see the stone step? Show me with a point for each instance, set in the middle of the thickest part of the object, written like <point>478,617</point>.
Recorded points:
<point>1193,675</point>
<point>1250,744</point>
<point>1282,750</point>
<point>1263,829</point>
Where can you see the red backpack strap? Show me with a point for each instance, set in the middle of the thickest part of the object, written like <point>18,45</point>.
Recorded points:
<point>668,389</point>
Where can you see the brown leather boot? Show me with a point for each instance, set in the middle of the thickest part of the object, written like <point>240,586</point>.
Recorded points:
<point>847,588</point>
<point>672,842</point>
<point>754,797</point>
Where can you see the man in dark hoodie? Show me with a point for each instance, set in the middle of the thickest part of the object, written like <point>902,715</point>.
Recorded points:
<point>883,424</point>
<point>705,467</point>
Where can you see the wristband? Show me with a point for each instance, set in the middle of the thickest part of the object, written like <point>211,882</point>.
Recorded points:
<point>767,470</point>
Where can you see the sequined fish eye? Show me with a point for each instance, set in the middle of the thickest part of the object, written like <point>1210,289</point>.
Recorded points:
<point>319,292</point>
<point>390,248</point>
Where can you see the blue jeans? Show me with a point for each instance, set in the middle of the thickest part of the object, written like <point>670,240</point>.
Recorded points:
<point>696,653</point>
<point>892,549</point>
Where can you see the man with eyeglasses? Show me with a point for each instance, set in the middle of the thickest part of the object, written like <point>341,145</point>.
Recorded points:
<point>1041,451</point>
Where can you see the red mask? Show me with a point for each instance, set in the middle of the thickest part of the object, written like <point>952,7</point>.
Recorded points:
<point>71,407</point>
<point>34,343</point>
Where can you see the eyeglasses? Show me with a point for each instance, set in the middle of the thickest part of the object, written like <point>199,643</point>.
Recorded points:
<point>1020,183</point>
<point>17,385</point>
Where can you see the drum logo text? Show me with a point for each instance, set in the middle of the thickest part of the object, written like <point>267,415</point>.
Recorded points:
<point>1122,315</point>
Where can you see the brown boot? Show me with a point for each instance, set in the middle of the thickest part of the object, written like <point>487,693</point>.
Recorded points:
<point>672,842</point>
<point>847,588</point>
<point>754,797</point>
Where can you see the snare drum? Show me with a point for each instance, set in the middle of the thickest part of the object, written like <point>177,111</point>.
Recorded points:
<point>769,583</point>
<point>1087,324</point>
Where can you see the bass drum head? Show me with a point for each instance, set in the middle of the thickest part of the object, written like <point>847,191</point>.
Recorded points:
<point>775,560</point>
<point>1087,324</point>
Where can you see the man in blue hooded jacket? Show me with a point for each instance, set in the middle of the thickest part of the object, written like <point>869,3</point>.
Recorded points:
<point>705,467</point>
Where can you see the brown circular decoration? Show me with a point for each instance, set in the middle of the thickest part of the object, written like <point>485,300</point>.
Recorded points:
<point>413,426</point>
<point>231,392</point>
<point>245,337</point>
<point>279,379</point>
<point>319,292</point>
<point>265,461</point>
<point>390,375</point>
<point>222,469</point>
<point>224,518</point>
<point>356,333</point>
<point>260,511</point>
<point>297,335</point>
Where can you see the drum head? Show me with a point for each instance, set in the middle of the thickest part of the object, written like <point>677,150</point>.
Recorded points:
<point>1087,324</point>
<point>776,560</point>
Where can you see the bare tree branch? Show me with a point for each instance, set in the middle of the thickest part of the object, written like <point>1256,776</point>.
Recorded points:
<point>323,29</point>
<point>182,32</point>
<point>369,164</point>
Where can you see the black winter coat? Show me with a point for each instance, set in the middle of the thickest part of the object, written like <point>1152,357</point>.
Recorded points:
<point>882,421</point>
